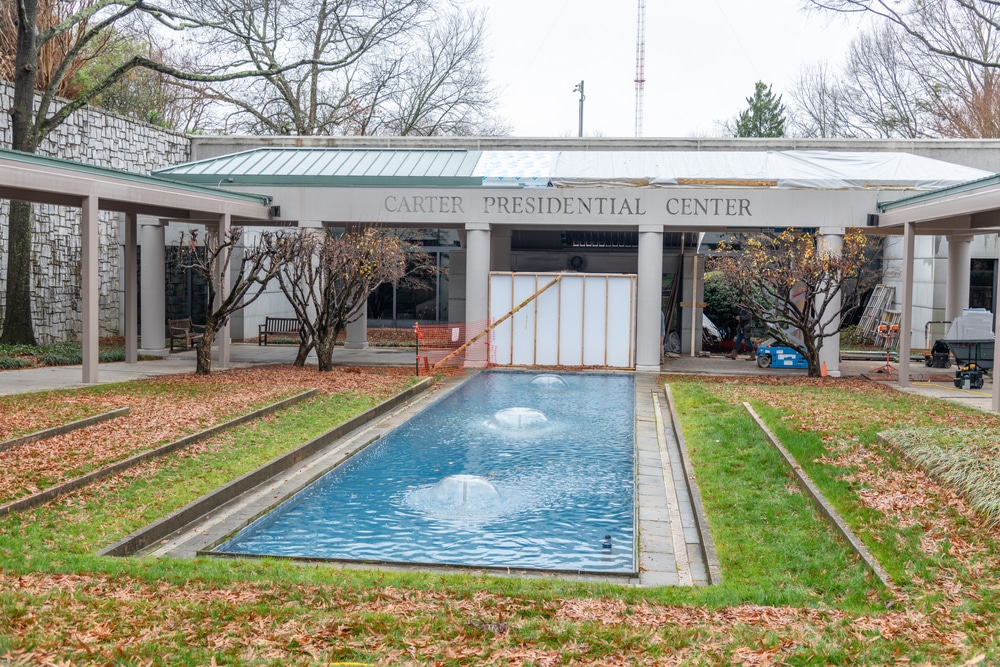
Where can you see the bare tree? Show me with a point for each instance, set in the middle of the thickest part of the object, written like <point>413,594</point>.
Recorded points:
<point>434,83</point>
<point>328,279</point>
<point>893,87</point>
<point>941,27</point>
<point>370,67</point>
<point>329,38</point>
<point>880,93</point>
<point>258,265</point>
<point>792,285</point>
<point>48,44</point>
<point>821,105</point>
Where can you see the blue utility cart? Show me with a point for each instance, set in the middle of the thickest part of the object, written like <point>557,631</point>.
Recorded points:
<point>777,356</point>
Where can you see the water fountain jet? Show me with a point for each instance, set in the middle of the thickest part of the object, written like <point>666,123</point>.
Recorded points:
<point>520,418</point>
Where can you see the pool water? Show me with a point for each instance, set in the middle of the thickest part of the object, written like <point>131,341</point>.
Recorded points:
<point>511,470</point>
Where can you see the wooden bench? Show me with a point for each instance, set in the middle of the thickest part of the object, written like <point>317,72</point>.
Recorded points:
<point>183,332</point>
<point>278,326</point>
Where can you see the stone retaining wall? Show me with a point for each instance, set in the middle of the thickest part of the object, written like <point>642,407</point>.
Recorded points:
<point>107,140</point>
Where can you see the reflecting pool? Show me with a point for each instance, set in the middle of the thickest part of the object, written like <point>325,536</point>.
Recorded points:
<point>510,470</point>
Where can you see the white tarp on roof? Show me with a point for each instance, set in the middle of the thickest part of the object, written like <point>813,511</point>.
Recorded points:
<point>516,168</point>
<point>823,170</point>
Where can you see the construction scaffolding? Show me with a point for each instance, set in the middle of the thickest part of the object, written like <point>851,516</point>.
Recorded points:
<point>878,304</point>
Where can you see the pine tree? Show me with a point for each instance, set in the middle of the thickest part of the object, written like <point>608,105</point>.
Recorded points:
<point>764,118</point>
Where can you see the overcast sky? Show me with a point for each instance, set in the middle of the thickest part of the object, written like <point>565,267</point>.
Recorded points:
<point>702,60</point>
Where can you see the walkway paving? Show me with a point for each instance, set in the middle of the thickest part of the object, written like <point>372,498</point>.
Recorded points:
<point>241,355</point>
<point>936,384</point>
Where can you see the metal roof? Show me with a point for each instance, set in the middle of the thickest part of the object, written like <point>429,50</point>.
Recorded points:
<point>938,194</point>
<point>334,167</point>
<point>48,180</point>
<point>69,166</point>
<point>441,167</point>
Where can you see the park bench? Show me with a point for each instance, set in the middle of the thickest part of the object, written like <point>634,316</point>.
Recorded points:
<point>278,326</point>
<point>183,332</point>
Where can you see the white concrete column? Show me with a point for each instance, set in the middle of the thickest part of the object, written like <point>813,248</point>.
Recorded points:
<point>906,315</point>
<point>831,240</point>
<point>500,249</point>
<point>357,325</point>
<point>477,290</point>
<point>131,290</point>
<point>153,283</point>
<point>89,279</point>
<point>222,282</point>
<point>650,285</point>
<point>357,328</point>
<point>959,275</point>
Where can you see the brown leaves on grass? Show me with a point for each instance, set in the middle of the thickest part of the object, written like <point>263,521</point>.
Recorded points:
<point>299,623</point>
<point>902,495</point>
<point>302,623</point>
<point>162,409</point>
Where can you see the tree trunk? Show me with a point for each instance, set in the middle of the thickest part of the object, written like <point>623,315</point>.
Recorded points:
<point>815,365</point>
<point>304,350</point>
<point>17,326</point>
<point>204,350</point>
<point>324,352</point>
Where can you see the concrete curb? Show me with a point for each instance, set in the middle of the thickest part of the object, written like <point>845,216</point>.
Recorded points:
<point>209,502</point>
<point>47,433</point>
<point>712,564</point>
<point>824,507</point>
<point>53,492</point>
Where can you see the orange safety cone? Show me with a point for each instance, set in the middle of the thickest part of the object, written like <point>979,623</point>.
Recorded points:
<point>822,369</point>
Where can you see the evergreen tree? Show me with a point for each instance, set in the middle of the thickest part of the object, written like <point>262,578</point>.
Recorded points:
<point>764,118</point>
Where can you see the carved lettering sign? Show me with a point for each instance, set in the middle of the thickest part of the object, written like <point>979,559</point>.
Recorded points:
<point>708,206</point>
<point>548,205</point>
<point>528,206</point>
<point>423,204</point>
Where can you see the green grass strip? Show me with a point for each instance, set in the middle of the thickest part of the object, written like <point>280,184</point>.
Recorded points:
<point>53,492</point>
<point>774,547</point>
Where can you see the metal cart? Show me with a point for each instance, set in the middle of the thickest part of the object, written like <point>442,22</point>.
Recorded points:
<point>974,357</point>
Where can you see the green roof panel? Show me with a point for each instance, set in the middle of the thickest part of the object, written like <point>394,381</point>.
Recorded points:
<point>206,185</point>
<point>381,167</point>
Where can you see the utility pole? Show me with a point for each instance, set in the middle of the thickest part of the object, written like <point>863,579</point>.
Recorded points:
<point>579,88</point>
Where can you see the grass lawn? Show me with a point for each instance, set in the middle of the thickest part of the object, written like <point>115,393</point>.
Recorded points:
<point>792,592</point>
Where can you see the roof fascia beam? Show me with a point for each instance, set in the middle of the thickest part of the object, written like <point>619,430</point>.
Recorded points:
<point>986,220</point>
<point>40,196</point>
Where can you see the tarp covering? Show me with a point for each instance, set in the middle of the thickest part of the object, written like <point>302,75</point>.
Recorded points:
<point>818,170</point>
<point>516,168</point>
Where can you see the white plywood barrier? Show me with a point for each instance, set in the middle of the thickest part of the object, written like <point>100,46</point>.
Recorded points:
<point>586,319</point>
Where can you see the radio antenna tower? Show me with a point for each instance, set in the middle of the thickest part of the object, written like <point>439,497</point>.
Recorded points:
<point>640,67</point>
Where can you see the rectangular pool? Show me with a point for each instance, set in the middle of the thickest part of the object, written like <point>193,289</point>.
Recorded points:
<point>510,470</point>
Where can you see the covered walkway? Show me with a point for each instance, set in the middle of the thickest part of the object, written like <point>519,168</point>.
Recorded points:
<point>45,180</point>
<point>956,213</point>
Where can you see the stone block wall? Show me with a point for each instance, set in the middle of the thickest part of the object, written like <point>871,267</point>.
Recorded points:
<point>106,140</point>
